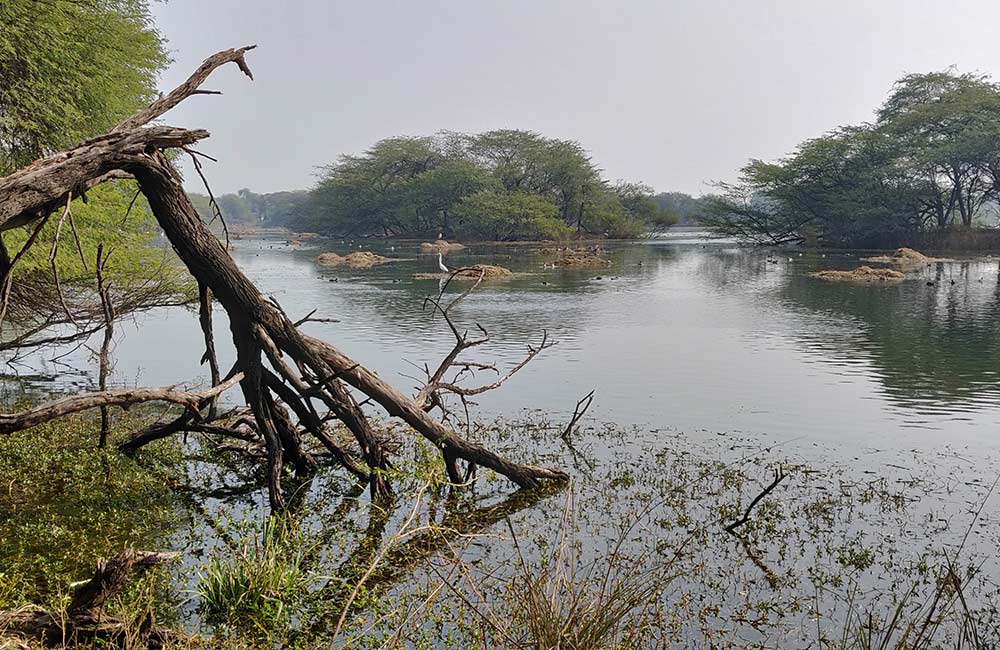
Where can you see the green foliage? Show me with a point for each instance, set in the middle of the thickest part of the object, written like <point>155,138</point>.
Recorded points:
<point>260,581</point>
<point>70,70</point>
<point>65,503</point>
<point>930,161</point>
<point>686,208</point>
<point>289,209</point>
<point>423,186</point>
<point>140,269</point>
<point>507,216</point>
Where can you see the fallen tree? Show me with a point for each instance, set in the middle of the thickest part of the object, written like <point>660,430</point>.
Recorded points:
<point>281,369</point>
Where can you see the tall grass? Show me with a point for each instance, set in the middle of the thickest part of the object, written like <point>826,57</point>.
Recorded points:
<point>260,581</point>
<point>561,603</point>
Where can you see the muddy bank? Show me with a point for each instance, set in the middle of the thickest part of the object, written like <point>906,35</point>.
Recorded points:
<point>488,272</point>
<point>905,258</point>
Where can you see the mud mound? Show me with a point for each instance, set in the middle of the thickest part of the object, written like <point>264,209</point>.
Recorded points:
<point>860,274</point>
<point>905,257</point>
<point>580,258</point>
<point>489,272</point>
<point>359,260</point>
<point>440,246</point>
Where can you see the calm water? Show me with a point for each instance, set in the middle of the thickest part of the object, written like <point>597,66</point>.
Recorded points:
<point>680,333</point>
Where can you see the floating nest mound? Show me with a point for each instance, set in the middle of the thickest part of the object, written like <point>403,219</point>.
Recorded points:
<point>488,271</point>
<point>580,258</point>
<point>905,257</point>
<point>359,260</point>
<point>860,274</point>
<point>583,262</point>
<point>440,246</point>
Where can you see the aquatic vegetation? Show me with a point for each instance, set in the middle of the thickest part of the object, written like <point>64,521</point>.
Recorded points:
<point>64,503</point>
<point>639,556</point>
<point>259,580</point>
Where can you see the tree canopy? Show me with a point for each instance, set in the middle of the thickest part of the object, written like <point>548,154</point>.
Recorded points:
<point>504,184</point>
<point>249,208</point>
<point>70,70</point>
<point>929,162</point>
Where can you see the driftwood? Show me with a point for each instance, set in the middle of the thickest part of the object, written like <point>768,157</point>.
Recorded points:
<point>306,370</point>
<point>84,618</point>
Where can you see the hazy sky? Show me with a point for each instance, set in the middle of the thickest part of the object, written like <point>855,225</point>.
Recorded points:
<point>672,93</point>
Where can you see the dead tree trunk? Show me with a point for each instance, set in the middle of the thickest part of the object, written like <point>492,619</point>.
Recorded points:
<point>307,368</point>
<point>84,619</point>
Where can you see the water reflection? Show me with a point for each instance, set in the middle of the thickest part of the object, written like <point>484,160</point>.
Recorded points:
<point>681,333</point>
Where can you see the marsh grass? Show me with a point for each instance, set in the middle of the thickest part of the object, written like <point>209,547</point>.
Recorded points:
<point>259,581</point>
<point>561,603</point>
<point>64,503</point>
<point>487,568</point>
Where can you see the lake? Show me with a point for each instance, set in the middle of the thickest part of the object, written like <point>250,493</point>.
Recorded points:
<point>714,366</point>
<point>681,332</point>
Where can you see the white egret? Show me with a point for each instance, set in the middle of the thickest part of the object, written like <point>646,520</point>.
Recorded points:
<point>444,269</point>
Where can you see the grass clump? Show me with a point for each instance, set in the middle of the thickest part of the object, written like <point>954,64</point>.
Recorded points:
<point>261,581</point>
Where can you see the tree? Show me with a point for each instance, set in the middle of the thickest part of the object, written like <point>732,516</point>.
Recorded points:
<point>508,216</point>
<point>949,127</point>
<point>372,193</point>
<point>929,161</point>
<point>440,190</point>
<point>280,369</point>
<point>70,70</point>
<point>685,207</point>
<point>641,207</point>
<point>413,186</point>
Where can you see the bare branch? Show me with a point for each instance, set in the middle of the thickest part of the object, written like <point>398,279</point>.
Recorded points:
<point>578,412</point>
<point>779,476</point>
<point>11,422</point>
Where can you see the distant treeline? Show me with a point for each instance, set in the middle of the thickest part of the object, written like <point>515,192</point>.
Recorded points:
<point>498,186</point>
<point>926,170</point>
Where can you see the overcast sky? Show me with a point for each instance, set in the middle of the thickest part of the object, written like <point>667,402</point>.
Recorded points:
<point>672,93</point>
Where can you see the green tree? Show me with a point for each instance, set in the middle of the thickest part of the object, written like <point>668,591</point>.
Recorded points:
<point>507,216</point>
<point>949,127</point>
<point>641,207</point>
<point>413,186</point>
<point>439,190</point>
<point>929,161</point>
<point>70,69</point>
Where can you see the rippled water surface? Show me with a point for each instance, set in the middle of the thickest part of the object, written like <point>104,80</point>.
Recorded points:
<point>680,333</point>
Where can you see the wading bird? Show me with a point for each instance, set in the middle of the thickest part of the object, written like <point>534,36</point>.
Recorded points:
<point>444,269</point>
